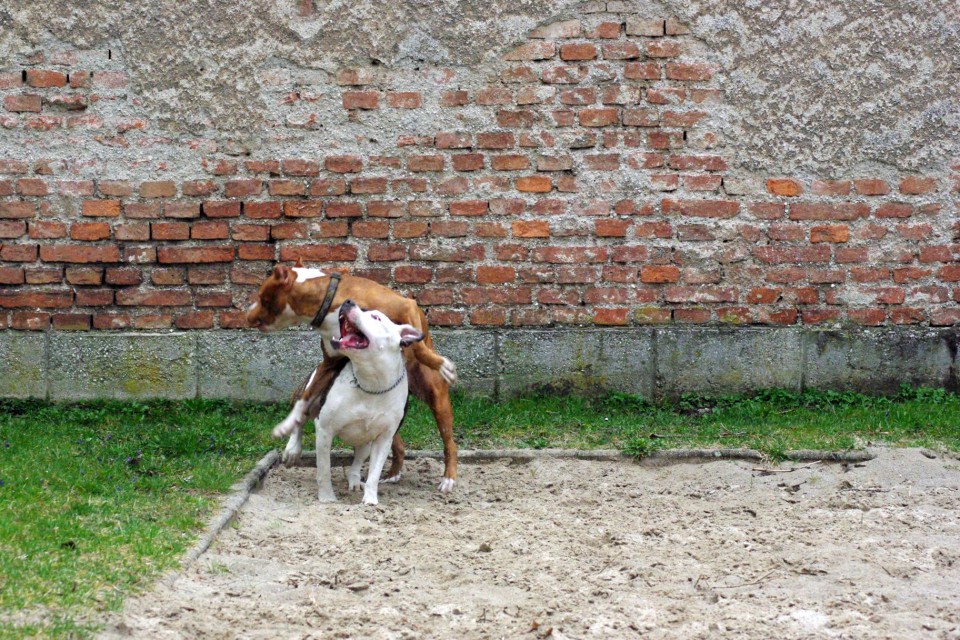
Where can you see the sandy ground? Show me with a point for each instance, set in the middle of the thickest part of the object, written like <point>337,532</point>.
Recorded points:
<point>576,549</point>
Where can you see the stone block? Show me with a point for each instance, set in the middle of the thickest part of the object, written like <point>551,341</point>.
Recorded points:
<point>723,361</point>
<point>878,360</point>
<point>23,372</point>
<point>122,366</point>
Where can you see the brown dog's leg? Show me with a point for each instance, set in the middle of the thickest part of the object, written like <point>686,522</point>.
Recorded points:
<point>429,386</point>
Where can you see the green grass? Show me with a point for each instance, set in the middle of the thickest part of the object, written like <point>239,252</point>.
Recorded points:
<point>99,498</point>
<point>771,421</point>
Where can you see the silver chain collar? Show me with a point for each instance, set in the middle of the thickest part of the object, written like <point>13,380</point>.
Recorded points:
<point>356,383</point>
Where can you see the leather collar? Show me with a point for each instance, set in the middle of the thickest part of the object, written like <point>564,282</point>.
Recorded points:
<point>327,301</point>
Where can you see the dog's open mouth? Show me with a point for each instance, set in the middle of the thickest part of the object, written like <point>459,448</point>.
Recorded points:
<point>350,335</point>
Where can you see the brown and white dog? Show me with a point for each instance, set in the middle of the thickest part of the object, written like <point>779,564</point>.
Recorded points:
<point>293,295</point>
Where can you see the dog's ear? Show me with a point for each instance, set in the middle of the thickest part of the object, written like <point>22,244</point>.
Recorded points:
<point>409,335</point>
<point>284,275</point>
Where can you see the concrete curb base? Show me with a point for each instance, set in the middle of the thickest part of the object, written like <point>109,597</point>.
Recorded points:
<point>343,457</point>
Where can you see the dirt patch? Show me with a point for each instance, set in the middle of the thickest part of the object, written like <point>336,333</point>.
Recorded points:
<point>577,549</point>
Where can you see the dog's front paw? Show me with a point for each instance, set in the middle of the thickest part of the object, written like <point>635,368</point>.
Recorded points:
<point>446,485</point>
<point>370,499</point>
<point>326,497</point>
<point>285,428</point>
<point>395,478</point>
<point>291,456</point>
<point>448,370</point>
<point>353,482</point>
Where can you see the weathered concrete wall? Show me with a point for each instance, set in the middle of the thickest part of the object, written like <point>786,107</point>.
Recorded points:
<point>650,362</point>
<point>526,164</point>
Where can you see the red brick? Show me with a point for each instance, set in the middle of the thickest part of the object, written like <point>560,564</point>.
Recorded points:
<point>386,252</point>
<point>603,117</point>
<point>697,163</point>
<point>469,208</point>
<point>915,185</point>
<point>13,229</point>
<point>354,76</point>
<point>79,254</point>
<point>101,208</point>
<point>158,189</point>
<point>36,299</point>
<point>319,253</point>
<point>784,187</point>
<point>174,255</point>
<point>300,167</point>
<point>115,188</point>
<point>605,30</point>
<point>303,209</point>
<point>531,51</point>
<point>664,49</point>
<point>702,208</point>
<point>286,188</point>
<point>153,298</point>
<point>531,229</point>
<point>689,72</point>
<point>181,209</point>
<point>344,210</point>
<point>795,255</point>
<point>453,140</point>
<point>242,188</point>
<point>650,27</point>
<point>425,163</point>
<point>232,209</point>
<point>563,74</point>
<point>22,103</point>
<point>282,231</point>
<point>569,255</point>
<point>90,231</point>
<point>11,275</point>
<point>366,100</point>
<point>612,228</point>
<point>170,231</point>
<point>262,166</point>
<point>404,99</point>
<point>328,187</point>
<point>534,184</point>
<point>624,50</point>
<point>410,229</point>
<point>343,164</point>
<point>894,210</point>
<point>558,30</point>
<point>830,233</point>
<point>831,187</point>
<point>467,162</point>
<point>195,320</point>
<point>168,276</point>
<point>578,51</point>
<point>829,211</point>
<point>265,252</point>
<point>659,274</point>
<point>641,71</point>
<point>210,231</point>
<point>94,297</point>
<point>495,140</point>
<point>871,187</point>
<point>454,98</point>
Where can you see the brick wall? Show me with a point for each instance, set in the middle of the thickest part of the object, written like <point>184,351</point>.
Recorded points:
<point>583,180</point>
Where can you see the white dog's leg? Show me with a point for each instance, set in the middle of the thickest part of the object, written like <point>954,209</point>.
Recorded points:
<point>324,483</point>
<point>291,454</point>
<point>447,485</point>
<point>448,370</point>
<point>293,421</point>
<point>380,450</point>
<point>360,455</point>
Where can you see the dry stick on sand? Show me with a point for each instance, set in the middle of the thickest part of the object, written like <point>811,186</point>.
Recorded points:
<point>769,472</point>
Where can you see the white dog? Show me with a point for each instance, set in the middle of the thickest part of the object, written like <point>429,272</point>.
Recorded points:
<point>367,400</point>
